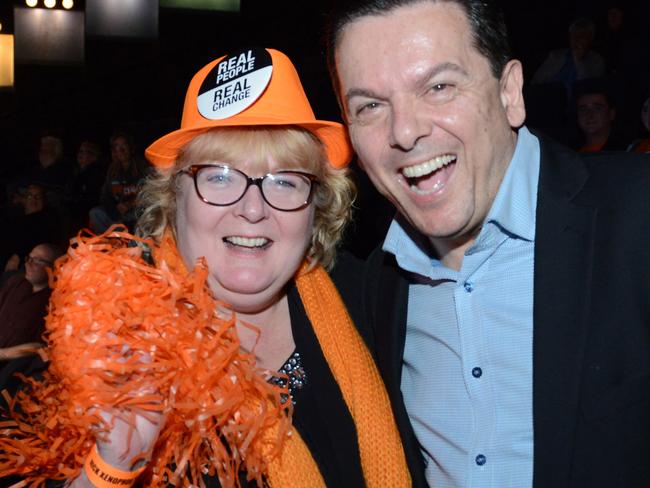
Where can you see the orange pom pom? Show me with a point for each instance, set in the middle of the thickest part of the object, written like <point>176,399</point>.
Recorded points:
<point>124,334</point>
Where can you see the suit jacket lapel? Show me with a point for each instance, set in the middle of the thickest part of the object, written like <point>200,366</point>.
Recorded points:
<point>563,264</point>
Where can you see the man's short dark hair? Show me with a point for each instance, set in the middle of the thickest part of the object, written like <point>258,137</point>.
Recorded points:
<point>594,86</point>
<point>54,250</point>
<point>485,18</point>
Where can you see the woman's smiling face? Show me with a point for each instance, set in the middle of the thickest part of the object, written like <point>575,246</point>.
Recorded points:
<point>252,249</point>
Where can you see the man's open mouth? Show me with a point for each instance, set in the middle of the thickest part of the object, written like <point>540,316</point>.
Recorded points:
<point>429,176</point>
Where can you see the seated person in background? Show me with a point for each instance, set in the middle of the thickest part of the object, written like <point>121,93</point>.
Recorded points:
<point>596,114</point>
<point>36,223</point>
<point>85,185</point>
<point>51,170</point>
<point>578,62</point>
<point>23,299</point>
<point>124,177</point>
<point>643,145</point>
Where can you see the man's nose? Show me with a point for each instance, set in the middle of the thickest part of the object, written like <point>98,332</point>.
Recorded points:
<point>408,125</point>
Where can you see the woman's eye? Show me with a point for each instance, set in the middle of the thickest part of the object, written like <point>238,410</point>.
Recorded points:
<point>218,178</point>
<point>284,183</point>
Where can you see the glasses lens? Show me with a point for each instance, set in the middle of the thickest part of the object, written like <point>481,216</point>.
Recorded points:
<point>286,191</point>
<point>37,261</point>
<point>220,185</point>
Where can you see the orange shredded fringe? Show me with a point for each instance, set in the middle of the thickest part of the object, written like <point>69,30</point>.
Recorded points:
<point>118,327</point>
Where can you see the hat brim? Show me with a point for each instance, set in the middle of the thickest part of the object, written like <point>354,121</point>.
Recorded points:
<point>164,152</point>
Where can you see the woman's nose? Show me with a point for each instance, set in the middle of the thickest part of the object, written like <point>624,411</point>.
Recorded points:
<point>252,205</point>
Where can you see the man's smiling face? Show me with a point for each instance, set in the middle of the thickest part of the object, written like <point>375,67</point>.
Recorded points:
<point>430,123</point>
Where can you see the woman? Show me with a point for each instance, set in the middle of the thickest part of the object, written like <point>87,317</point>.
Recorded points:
<point>254,185</point>
<point>118,194</point>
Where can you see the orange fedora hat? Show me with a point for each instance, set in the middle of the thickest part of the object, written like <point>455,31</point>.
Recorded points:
<point>250,87</point>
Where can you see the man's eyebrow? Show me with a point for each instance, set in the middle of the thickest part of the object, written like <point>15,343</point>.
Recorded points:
<point>442,67</point>
<point>360,92</point>
<point>426,76</point>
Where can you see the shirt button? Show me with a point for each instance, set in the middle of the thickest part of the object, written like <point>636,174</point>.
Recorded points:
<point>481,459</point>
<point>469,287</point>
<point>477,372</point>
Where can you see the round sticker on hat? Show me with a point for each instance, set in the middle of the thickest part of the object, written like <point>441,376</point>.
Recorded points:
<point>234,83</point>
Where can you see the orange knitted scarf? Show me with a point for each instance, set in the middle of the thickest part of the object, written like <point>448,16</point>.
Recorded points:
<point>382,456</point>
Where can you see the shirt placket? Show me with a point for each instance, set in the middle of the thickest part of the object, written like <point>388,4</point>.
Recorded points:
<point>476,371</point>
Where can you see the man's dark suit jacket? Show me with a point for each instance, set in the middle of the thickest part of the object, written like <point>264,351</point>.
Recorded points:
<point>591,314</point>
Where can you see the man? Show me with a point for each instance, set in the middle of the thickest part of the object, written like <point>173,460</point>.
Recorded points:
<point>509,301</point>
<point>596,115</point>
<point>50,170</point>
<point>23,300</point>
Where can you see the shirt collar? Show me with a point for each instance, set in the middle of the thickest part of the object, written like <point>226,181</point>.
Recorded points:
<point>514,207</point>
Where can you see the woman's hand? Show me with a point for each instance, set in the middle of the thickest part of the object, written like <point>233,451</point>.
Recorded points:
<point>128,444</point>
<point>131,439</point>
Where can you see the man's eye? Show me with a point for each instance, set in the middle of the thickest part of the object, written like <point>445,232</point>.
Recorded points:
<point>438,87</point>
<point>367,107</point>
<point>441,92</point>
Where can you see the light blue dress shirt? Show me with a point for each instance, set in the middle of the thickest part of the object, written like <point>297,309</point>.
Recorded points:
<point>468,371</point>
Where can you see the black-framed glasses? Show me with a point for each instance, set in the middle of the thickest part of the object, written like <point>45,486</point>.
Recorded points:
<point>38,261</point>
<point>221,185</point>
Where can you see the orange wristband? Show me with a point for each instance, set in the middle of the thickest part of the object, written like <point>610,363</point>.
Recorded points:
<point>103,475</point>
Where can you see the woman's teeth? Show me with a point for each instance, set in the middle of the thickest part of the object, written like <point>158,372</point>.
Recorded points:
<point>247,241</point>
<point>427,167</point>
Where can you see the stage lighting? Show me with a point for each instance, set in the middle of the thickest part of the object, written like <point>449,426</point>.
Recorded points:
<point>50,3</point>
<point>31,3</point>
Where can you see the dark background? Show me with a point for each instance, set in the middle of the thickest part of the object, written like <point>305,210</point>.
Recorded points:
<point>139,85</point>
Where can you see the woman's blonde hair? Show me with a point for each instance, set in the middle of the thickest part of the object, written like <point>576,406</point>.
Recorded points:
<point>290,147</point>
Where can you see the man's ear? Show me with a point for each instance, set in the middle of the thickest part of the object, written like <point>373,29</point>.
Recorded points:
<point>512,97</point>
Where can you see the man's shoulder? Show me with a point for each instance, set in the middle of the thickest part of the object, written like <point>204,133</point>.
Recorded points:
<point>617,177</point>
<point>606,176</point>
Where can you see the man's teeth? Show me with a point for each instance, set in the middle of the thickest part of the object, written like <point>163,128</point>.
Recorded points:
<point>427,167</point>
<point>247,241</point>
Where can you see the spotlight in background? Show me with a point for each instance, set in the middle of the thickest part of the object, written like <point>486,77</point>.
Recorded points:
<point>67,4</point>
<point>50,3</point>
<point>31,3</point>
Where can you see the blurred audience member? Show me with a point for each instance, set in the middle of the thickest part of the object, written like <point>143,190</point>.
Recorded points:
<point>37,222</point>
<point>643,145</point>
<point>577,62</point>
<point>50,170</point>
<point>123,179</point>
<point>23,299</point>
<point>596,115</point>
<point>85,185</point>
